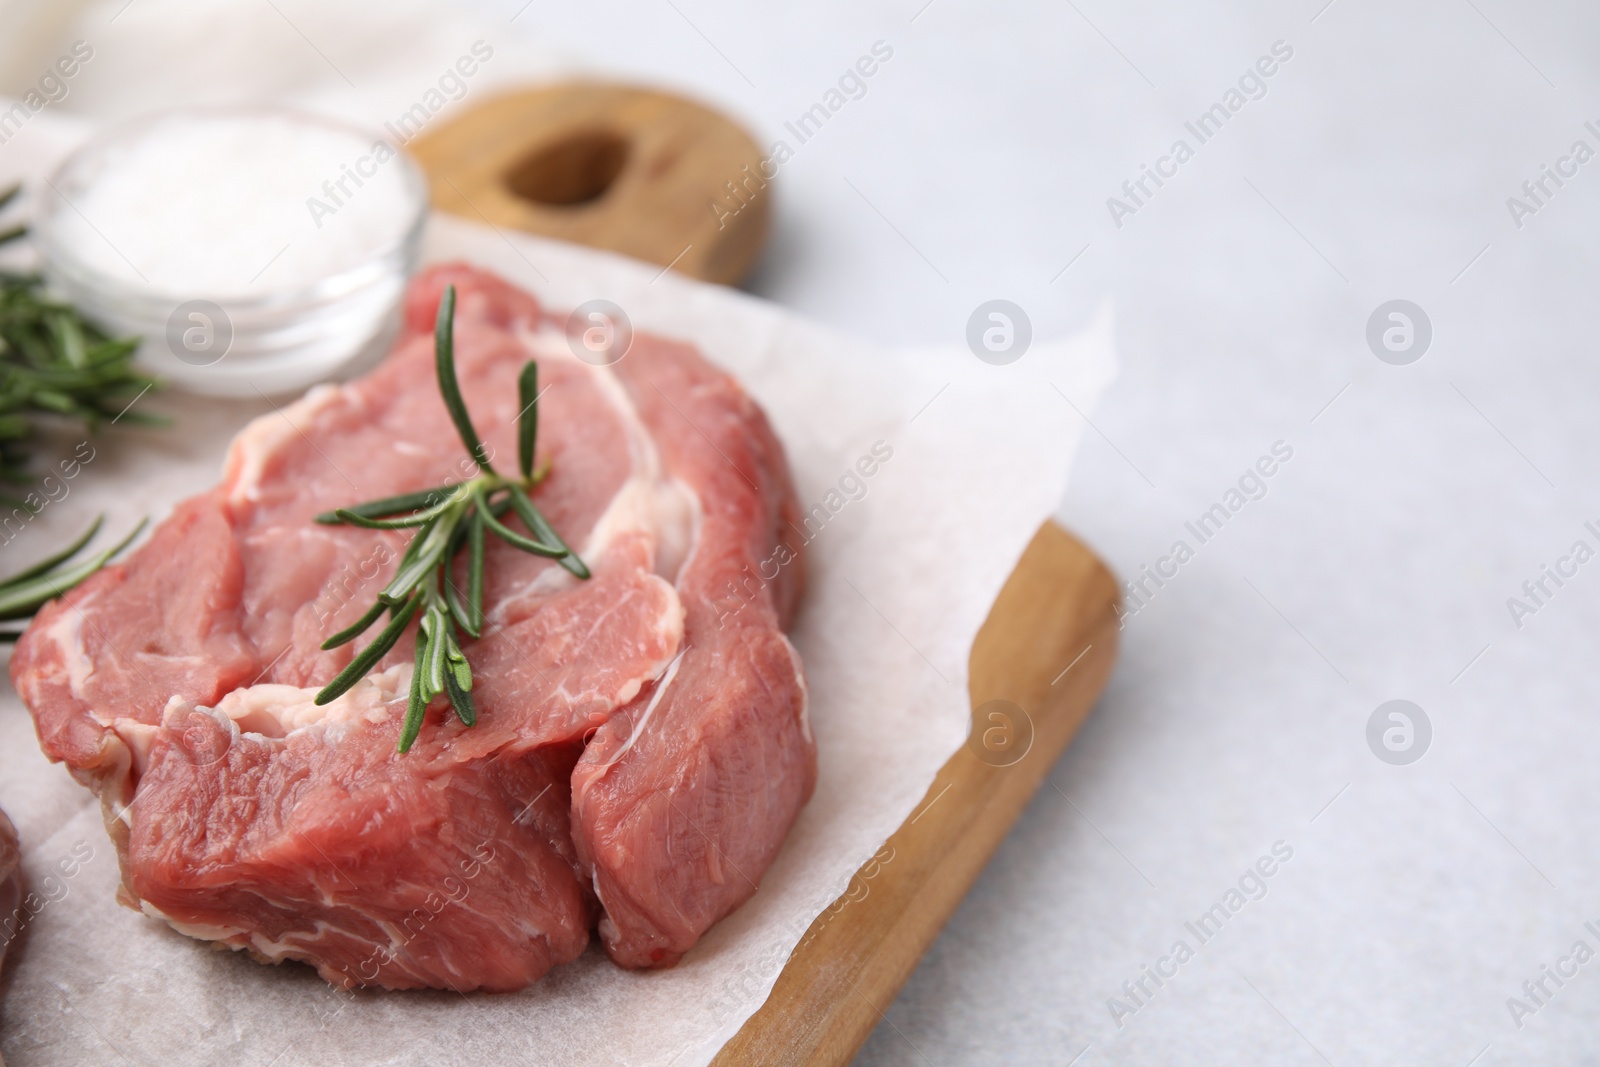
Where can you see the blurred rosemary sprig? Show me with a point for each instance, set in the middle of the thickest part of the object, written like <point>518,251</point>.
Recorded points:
<point>447,519</point>
<point>53,362</point>
<point>26,592</point>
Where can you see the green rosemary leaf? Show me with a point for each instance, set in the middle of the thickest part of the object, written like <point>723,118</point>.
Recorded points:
<point>505,533</point>
<point>13,233</point>
<point>26,597</point>
<point>457,667</point>
<point>455,604</point>
<point>141,418</point>
<point>70,342</point>
<point>458,535</point>
<point>10,194</point>
<point>389,505</point>
<point>368,657</point>
<point>416,705</point>
<point>57,401</point>
<point>449,388</point>
<point>475,574</point>
<point>356,629</point>
<point>406,559</point>
<point>434,626</point>
<point>453,599</point>
<point>527,416</point>
<point>421,557</point>
<point>460,698</point>
<point>109,352</point>
<point>60,557</point>
<point>541,528</point>
<point>421,518</point>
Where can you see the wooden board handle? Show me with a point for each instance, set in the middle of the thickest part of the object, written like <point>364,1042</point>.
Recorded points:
<point>1046,649</point>
<point>630,170</point>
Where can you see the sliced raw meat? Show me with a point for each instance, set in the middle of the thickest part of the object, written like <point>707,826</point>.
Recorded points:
<point>179,684</point>
<point>669,817</point>
<point>11,915</point>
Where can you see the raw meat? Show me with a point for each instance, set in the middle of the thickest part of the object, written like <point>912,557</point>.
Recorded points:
<point>666,819</point>
<point>641,735</point>
<point>11,915</point>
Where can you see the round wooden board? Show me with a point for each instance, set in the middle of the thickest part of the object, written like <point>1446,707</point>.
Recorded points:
<point>644,173</point>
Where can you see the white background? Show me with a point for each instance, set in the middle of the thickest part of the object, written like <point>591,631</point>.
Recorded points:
<point>1378,565</point>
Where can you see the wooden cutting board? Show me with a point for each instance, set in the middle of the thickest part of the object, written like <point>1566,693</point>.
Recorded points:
<point>652,175</point>
<point>644,173</point>
<point>1047,648</point>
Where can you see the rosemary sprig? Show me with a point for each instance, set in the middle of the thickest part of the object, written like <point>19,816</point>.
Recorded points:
<point>447,519</point>
<point>54,362</point>
<point>14,232</point>
<point>25,592</point>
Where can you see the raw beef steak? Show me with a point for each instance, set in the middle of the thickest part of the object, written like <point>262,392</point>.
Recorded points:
<point>641,747</point>
<point>12,918</point>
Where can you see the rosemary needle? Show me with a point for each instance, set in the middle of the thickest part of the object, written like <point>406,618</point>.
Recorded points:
<point>25,592</point>
<point>447,519</point>
<point>54,363</point>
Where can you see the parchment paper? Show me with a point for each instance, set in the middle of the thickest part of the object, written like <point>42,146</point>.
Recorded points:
<point>902,575</point>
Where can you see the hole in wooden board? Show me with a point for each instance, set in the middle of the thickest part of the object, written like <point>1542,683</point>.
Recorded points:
<point>574,170</point>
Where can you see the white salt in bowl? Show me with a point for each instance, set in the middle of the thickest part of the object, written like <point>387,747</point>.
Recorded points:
<point>256,250</point>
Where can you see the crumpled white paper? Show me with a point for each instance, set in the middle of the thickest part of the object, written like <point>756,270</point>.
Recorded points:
<point>902,573</point>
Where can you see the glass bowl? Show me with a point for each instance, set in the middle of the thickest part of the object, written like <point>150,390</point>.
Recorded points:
<point>255,250</point>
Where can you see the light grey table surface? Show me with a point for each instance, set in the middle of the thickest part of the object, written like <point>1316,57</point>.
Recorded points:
<point>1375,165</point>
